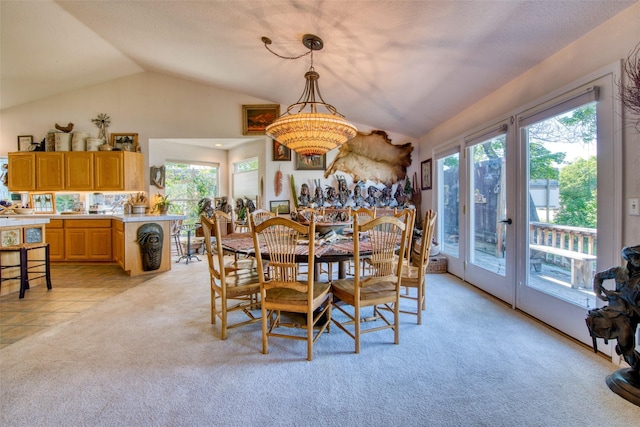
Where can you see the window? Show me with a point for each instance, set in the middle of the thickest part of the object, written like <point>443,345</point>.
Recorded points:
<point>187,183</point>
<point>245,179</point>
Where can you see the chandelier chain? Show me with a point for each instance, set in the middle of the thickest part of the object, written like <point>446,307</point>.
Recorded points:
<point>267,42</point>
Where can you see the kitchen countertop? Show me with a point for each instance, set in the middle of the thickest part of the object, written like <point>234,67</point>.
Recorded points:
<point>8,220</point>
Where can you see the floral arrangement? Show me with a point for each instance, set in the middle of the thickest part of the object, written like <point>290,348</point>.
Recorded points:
<point>138,199</point>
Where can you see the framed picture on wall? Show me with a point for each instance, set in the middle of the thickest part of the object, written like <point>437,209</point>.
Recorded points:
<point>280,206</point>
<point>42,203</point>
<point>280,152</point>
<point>311,163</point>
<point>256,118</point>
<point>425,168</point>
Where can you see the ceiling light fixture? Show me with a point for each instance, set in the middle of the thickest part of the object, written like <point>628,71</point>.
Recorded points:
<point>310,133</point>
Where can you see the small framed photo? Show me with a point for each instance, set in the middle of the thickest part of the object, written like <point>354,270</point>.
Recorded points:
<point>280,152</point>
<point>24,142</point>
<point>256,118</point>
<point>280,206</point>
<point>426,171</point>
<point>125,141</point>
<point>311,163</point>
<point>43,203</point>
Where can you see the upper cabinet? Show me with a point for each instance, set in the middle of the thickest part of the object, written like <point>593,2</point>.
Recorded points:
<point>118,170</point>
<point>22,172</point>
<point>76,171</point>
<point>49,171</point>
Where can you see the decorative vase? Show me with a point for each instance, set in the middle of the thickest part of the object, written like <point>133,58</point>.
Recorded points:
<point>138,209</point>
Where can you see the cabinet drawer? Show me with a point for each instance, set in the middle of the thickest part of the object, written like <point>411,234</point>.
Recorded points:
<point>118,225</point>
<point>87,223</point>
<point>55,223</point>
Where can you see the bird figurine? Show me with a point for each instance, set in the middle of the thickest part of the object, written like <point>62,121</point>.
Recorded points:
<point>68,128</point>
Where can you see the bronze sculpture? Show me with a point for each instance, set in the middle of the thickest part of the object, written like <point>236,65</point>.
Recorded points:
<point>305,197</point>
<point>619,320</point>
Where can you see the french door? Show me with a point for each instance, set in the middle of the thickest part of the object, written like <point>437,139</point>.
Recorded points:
<point>530,206</point>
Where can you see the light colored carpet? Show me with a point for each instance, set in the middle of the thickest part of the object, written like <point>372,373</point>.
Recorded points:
<point>150,357</point>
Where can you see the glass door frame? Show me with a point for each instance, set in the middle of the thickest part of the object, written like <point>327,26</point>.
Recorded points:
<point>561,315</point>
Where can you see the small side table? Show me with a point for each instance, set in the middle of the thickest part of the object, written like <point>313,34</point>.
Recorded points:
<point>189,254</point>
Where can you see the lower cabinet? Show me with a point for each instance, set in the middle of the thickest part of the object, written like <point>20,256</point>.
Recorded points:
<point>117,240</point>
<point>80,240</point>
<point>55,237</point>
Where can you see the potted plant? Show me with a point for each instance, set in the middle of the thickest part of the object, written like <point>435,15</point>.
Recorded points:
<point>162,204</point>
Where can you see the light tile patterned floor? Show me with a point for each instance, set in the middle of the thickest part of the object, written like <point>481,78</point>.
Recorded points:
<point>75,289</point>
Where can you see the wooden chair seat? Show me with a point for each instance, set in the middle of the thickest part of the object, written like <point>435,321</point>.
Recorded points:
<point>289,296</point>
<point>344,289</point>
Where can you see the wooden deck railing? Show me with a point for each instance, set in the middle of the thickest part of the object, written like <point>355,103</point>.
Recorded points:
<point>575,239</point>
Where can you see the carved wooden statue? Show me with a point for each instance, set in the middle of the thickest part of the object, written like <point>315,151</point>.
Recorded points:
<point>150,239</point>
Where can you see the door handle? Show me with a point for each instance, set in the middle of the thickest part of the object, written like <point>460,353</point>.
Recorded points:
<point>507,221</point>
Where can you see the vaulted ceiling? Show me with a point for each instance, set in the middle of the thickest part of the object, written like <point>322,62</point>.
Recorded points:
<point>402,66</point>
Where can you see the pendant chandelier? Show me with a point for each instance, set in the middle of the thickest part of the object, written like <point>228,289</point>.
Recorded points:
<point>310,133</point>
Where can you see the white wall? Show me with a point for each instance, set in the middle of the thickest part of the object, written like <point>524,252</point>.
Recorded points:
<point>158,108</point>
<point>153,105</point>
<point>606,44</point>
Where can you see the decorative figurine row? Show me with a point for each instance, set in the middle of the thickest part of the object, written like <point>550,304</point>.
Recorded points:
<point>343,197</point>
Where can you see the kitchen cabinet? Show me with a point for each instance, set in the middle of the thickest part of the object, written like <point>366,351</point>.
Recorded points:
<point>76,171</point>
<point>55,238</point>
<point>118,243</point>
<point>118,171</point>
<point>50,171</point>
<point>21,175</point>
<point>87,240</point>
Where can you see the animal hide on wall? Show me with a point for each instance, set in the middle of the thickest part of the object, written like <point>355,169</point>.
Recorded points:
<point>372,157</point>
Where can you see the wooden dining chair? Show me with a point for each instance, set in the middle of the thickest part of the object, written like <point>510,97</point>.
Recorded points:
<point>364,215</point>
<point>378,288</point>
<point>283,292</point>
<point>414,275</point>
<point>235,283</point>
<point>260,215</point>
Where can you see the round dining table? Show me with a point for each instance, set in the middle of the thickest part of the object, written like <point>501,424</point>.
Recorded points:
<point>338,249</point>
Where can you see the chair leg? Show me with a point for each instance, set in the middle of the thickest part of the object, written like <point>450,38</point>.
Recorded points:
<point>47,266</point>
<point>24,272</point>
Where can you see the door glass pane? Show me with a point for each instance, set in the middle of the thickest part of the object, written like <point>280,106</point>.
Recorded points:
<point>562,205</point>
<point>449,202</point>
<point>488,205</point>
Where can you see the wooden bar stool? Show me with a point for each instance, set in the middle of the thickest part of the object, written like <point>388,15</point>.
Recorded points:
<point>17,263</point>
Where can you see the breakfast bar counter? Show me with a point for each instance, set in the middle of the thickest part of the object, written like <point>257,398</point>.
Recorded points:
<point>140,244</point>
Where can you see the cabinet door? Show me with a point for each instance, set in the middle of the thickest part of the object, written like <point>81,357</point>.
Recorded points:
<point>75,244</point>
<point>50,171</point>
<point>55,238</point>
<point>117,242</point>
<point>99,244</point>
<point>78,170</point>
<point>109,171</point>
<point>118,246</point>
<point>133,171</point>
<point>22,172</point>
